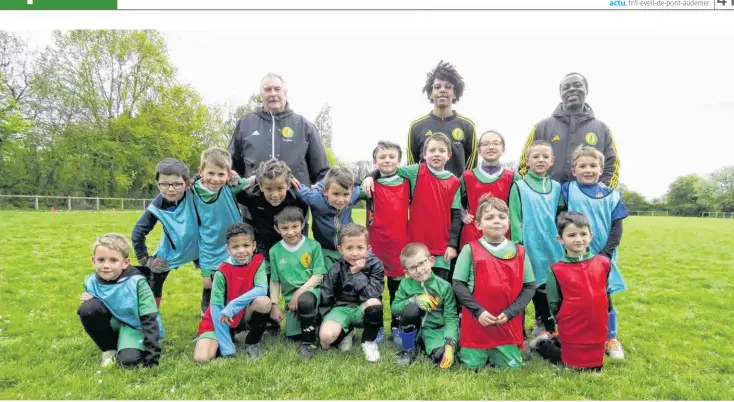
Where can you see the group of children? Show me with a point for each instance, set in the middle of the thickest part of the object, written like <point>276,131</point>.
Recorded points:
<point>462,258</point>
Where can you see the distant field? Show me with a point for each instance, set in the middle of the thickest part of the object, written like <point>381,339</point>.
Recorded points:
<point>675,324</point>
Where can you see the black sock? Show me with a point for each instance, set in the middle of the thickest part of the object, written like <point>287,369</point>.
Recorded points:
<point>372,321</point>
<point>257,327</point>
<point>307,314</point>
<point>308,329</point>
<point>206,294</point>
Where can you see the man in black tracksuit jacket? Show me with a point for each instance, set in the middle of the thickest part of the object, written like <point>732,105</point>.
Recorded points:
<point>571,125</point>
<point>275,131</point>
<point>444,87</point>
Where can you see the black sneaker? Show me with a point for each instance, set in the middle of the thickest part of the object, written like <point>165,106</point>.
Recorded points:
<point>254,351</point>
<point>307,350</point>
<point>405,357</point>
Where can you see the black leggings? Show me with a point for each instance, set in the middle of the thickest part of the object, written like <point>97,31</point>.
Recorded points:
<point>392,288</point>
<point>542,311</point>
<point>95,319</point>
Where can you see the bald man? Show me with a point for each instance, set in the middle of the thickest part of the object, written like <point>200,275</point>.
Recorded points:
<point>571,125</point>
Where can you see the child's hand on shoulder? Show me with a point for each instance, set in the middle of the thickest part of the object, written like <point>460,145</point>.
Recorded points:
<point>85,296</point>
<point>487,319</point>
<point>234,178</point>
<point>358,266</point>
<point>251,181</point>
<point>368,185</point>
<point>467,218</point>
<point>294,183</point>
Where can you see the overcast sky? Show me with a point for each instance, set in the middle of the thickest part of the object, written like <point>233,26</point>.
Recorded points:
<point>660,81</point>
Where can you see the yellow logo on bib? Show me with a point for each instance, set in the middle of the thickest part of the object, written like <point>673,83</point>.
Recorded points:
<point>591,139</point>
<point>458,134</point>
<point>286,132</point>
<point>306,260</point>
<point>508,255</point>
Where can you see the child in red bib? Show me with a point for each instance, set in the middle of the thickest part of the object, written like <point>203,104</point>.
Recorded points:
<point>493,282</point>
<point>578,283</point>
<point>387,219</point>
<point>487,178</point>
<point>435,208</point>
<point>239,299</point>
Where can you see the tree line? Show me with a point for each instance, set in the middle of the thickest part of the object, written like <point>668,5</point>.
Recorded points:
<point>92,114</point>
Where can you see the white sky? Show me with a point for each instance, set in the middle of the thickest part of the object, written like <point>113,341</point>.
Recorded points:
<point>660,80</point>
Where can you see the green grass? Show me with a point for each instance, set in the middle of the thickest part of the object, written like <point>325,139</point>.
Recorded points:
<point>675,324</point>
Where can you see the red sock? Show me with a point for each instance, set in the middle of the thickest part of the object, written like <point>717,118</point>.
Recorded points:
<point>158,302</point>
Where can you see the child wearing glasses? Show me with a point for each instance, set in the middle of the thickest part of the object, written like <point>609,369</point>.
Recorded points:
<point>489,177</point>
<point>174,208</point>
<point>426,310</point>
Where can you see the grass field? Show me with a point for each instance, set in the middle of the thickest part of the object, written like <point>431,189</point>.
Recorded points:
<point>675,323</point>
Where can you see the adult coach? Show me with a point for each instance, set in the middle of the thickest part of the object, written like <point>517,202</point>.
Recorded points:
<point>571,125</point>
<point>444,87</point>
<point>275,131</point>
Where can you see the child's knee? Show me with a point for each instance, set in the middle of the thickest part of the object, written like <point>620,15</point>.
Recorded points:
<point>261,304</point>
<point>207,282</point>
<point>411,312</point>
<point>130,357</point>
<point>202,356</point>
<point>373,314</point>
<point>205,350</point>
<point>91,308</point>
<point>307,303</point>
<point>372,302</point>
<point>329,332</point>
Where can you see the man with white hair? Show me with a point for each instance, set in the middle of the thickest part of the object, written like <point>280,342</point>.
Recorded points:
<point>275,131</point>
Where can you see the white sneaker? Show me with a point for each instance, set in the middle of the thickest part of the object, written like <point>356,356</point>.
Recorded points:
<point>614,349</point>
<point>346,344</point>
<point>371,352</point>
<point>109,358</point>
<point>533,344</point>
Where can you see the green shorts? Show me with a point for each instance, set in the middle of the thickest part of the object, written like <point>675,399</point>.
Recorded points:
<point>205,273</point>
<point>441,262</point>
<point>128,337</point>
<point>292,324</point>
<point>348,317</point>
<point>506,356</point>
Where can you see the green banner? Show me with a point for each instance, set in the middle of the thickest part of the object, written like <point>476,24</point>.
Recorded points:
<point>58,4</point>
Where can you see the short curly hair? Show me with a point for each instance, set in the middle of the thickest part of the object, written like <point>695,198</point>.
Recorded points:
<point>446,72</point>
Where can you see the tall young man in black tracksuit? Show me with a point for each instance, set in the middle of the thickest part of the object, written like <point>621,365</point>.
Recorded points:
<point>444,87</point>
